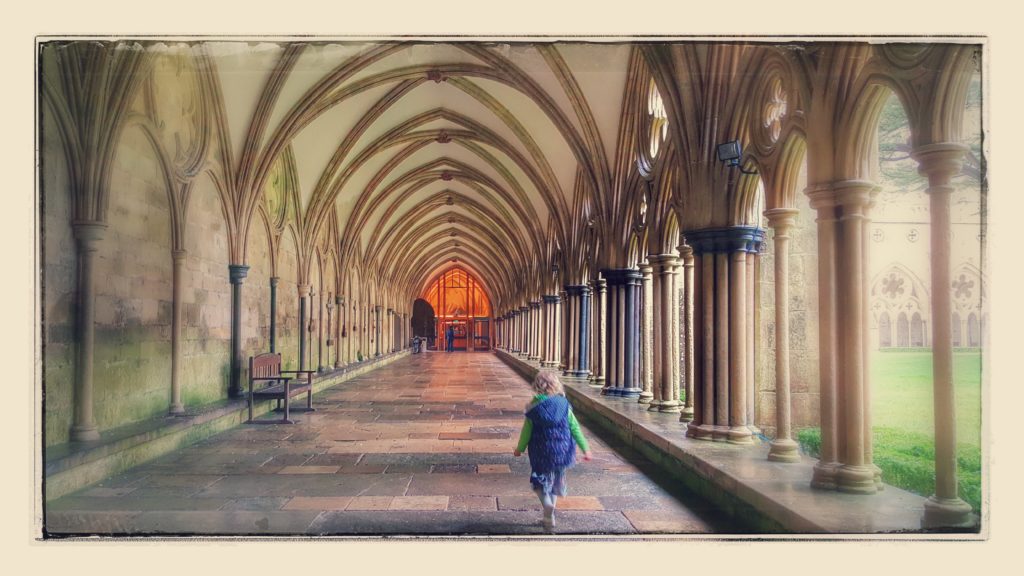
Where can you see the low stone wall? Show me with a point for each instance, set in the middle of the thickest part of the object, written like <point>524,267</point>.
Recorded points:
<point>768,497</point>
<point>71,467</point>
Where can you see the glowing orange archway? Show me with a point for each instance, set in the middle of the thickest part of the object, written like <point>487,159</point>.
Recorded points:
<point>460,301</point>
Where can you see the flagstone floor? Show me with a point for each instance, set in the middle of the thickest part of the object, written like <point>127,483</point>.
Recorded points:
<point>423,446</point>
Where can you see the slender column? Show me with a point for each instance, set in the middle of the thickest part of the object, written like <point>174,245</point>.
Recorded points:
<point>236,275</point>
<point>273,313</point>
<point>751,349</point>
<point>303,308</point>
<point>631,369</point>
<point>660,326</point>
<point>340,307</point>
<point>738,431</point>
<point>320,332</point>
<point>178,258</point>
<point>647,337</point>
<point>376,328</point>
<point>574,324</point>
<point>583,368</point>
<point>535,314</point>
<point>671,402</point>
<point>688,336</point>
<point>940,162</point>
<point>702,426</point>
<point>545,329</point>
<point>88,235</point>
<point>856,475</point>
<point>822,199</point>
<point>600,323</point>
<point>783,448</point>
<point>612,334</point>
<point>721,335</point>
<point>620,339</point>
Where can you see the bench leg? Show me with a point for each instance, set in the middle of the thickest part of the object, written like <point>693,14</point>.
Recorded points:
<point>287,402</point>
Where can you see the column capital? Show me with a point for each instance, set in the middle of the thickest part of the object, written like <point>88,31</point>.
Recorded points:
<point>821,196</point>
<point>855,194</point>
<point>377,308</point>
<point>535,304</point>
<point>524,308</point>
<point>781,218</point>
<point>646,269</point>
<point>274,280</point>
<point>940,161</point>
<point>685,251</point>
<point>551,298</point>
<point>88,232</point>
<point>179,255</point>
<point>237,273</point>
<point>304,289</point>
<point>731,239</point>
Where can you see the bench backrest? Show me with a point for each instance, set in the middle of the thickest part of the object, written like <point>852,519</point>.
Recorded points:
<point>265,365</point>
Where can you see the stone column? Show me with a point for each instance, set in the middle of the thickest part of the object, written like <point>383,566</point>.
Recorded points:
<point>656,302</point>
<point>600,323</point>
<point>338,363</point>
<point>612,335</point>
<point>583,364</point>
<point>535,330</point>
<point>178,259</point>
<point>940,163</point>
<point>545,330</point>
<point>783,448</point>
<point>646,337</point>
<point>738,431</point>
<point>304,290</point>
<point>376,328</point>
<point>320,332</point>
<point>88,234</point>
<point>273,313</point>
<point>702,425</point>
<point>752,314</point>
<point>822,200</point>
<point>669,347</point>
<point>236,275</point>
<point>687,327</point>
<point>856,474</point>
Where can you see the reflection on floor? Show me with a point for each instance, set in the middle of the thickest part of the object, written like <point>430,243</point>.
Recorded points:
<point>423,446</point>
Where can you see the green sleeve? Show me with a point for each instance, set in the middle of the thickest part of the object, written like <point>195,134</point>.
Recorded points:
<point>577,434</point>
<point>524,436</point>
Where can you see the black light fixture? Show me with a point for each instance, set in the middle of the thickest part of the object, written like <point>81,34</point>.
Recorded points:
<point>730,153</point>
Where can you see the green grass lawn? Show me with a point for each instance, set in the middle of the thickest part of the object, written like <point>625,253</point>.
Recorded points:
<point>901,388</point>
<point>903,421</point>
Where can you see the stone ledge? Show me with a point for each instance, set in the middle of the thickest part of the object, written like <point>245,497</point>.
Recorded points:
<point>75,465</point>
<point>769,496</point>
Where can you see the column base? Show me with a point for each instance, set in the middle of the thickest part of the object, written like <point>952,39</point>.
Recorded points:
<point>670,407</point>
<point>824,477</point>
<point>856,480</point>
<point>646,398</point>
<point>698,431</point>
<point>630,392</point>
<point>686,414</point>
<point>947,513</point>
<point>596,381</point>
<point>533,358</point>
<point>654,404</point>
<point>176,409</point>
<point>719,433</point>
<point>740,435</point>
<point>84,433</point>
<point>784,450</point>
<point>580,373</point>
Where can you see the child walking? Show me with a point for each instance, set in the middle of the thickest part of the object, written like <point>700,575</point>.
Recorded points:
<point>550,436</point>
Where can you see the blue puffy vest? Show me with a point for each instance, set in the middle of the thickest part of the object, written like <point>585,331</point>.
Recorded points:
<point>551,445</point>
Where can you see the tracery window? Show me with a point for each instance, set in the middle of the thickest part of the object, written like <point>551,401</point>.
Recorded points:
<point>775,107</point>
<point>659,120</point>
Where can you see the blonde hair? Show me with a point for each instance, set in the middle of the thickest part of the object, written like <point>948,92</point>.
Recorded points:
<point>548,384</point>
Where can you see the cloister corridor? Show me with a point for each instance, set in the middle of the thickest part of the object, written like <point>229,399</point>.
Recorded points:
<point>422,446</point>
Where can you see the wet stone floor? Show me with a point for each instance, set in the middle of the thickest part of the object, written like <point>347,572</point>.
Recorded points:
<point>423,446</point>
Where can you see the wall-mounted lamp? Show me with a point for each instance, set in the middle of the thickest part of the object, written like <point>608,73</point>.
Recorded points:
<point>730,153</point>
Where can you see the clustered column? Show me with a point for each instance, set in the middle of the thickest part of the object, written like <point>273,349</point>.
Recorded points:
<point>578,320</point>
<point>721,377</point>
<point>666,334</point>
<point>176,406</point>
<point>551,348</point>
<point>535,330</point>
<point>647,336</point>
<point>623,349</point>
<point>598,363</point>
<point>686,326</point>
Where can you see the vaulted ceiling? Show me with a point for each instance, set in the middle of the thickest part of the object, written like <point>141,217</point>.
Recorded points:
<point>427,152</point>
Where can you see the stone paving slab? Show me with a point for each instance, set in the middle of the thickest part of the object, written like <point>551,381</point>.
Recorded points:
<point>423,446</point>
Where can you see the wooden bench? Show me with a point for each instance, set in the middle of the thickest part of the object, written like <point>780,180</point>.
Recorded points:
<point>280,386</point>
